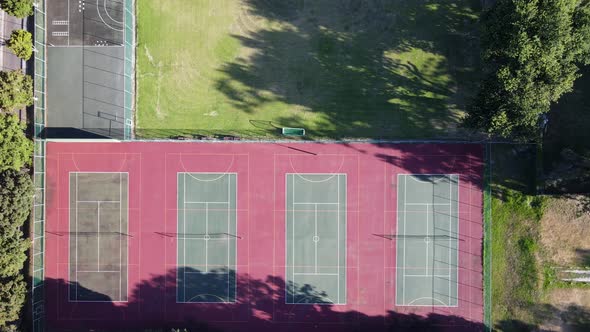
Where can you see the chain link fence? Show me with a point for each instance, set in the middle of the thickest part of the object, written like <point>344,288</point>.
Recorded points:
<point>38,229</point>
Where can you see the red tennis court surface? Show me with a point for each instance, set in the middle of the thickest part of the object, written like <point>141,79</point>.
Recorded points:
<point>149,294</point>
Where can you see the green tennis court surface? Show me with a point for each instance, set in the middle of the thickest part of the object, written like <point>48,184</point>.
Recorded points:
<point>206,237</point>
<point>316,238</point>
<point>98,236</point>
<point>427,240</point>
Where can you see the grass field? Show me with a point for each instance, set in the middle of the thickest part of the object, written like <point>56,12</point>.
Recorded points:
<point>533,236</point>
<point>348,68</point>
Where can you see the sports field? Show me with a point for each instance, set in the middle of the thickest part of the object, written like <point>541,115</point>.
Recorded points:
<point>351,68</point>
<point>264,236</point>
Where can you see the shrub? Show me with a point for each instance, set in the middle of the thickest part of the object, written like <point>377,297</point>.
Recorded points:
<point>15,148</point>
<point>21,43</point>
<point>16,90</point>
<point>12,299</point>
<point>18,8</point>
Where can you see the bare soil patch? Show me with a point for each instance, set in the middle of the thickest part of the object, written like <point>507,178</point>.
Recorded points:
<point>565,233</point>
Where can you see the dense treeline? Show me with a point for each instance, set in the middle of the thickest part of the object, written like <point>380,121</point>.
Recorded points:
<point>16,196</point>
<point>532,51</point>
<point>16,186</point>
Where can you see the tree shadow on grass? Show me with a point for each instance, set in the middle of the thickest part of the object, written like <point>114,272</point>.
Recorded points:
<point>356,68</point>
<point>583,257</point>
<point>260,306</point>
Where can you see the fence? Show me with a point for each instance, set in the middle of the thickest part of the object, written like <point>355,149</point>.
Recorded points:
<point>38,229</point>
<point>487,241</point>
<point>129,71</point>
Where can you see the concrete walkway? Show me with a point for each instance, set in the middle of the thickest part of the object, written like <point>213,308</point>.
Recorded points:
<point>9,61</point>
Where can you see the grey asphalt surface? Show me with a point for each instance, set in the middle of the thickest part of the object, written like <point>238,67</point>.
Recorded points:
<point>8,23</point>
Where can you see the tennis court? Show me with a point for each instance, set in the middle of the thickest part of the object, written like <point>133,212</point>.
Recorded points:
<point>427,240</point>
<point>263,236</point>
<point>98,237</point>
<point>316,238</point>
<point>207,237</point>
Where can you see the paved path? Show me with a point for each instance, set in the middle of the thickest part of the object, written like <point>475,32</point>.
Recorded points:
<point>8,61</point>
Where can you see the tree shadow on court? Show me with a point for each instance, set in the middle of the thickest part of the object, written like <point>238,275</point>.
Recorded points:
<point>360,68</point>
<point>260,306</point>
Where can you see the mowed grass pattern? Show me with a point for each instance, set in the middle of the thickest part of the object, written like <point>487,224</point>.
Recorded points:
<point>340,69</point>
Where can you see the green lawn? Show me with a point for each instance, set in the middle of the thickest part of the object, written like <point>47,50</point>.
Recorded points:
<point>339,69</point>
<point>516,212</point>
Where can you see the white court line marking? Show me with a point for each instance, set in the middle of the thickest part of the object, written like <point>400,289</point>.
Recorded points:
<point>293,238</point>
<point>441,177</point>
<point>428,236</point>
<point>316,274</point>
<point>231,178</point>
<point>449,239</point>
<point>205,202</point>
<point>429,204</point>
<point>99,206</point>
<point>428,275</point>
<point>228,232</point>
<point>206,234</point>
<point>331,176</point>
<point>316,234</point>
<point>315,210</point>
<point>120,231</point>
<point>186,171</point>
<point>77,283</point>
<point>109,15</point>
<point>404,271</point>
<point>313,203</point>
<point>69,45</point>
<point>98,237</point>
<point>103,21</point>
<point>451,178</point>
<point>338,237</point>
<point>184,231</point>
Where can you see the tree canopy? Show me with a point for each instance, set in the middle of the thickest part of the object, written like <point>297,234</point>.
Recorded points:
<point>21,43</point>
<point>15,148</point>
<point>16,198</point>
<point>12,299</point>
<point>532,50</point>
<point>18,8</point>
<point>16,90</point>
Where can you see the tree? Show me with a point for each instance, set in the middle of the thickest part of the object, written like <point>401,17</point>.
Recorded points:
<point>18,8</point>
<point>16,90</point>
<point>16,199</point>
<point>12,299</point>
<point>21,43</point>
<point>13,248</point>
<point>532,50</point>
<point>15,148</point>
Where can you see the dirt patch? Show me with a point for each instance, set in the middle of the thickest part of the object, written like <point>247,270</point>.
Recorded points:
<point>569,310</point>
<point>565,233</point>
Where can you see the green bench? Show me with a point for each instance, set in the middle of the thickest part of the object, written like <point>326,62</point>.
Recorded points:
<point>293,131</point>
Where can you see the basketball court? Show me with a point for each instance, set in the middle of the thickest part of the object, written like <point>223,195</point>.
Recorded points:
<point>264,236</point>
<point>87,77</point>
